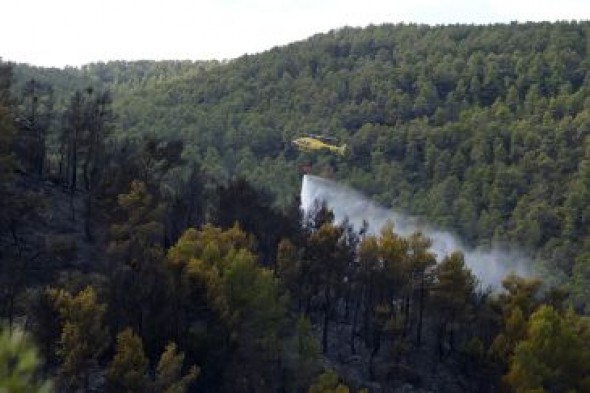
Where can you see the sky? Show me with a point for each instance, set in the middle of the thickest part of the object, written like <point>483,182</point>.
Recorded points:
<point>57,33</point>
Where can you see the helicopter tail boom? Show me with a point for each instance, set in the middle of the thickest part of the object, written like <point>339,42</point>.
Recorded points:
<point>341,150</point>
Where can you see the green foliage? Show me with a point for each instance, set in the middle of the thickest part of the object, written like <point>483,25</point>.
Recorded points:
<point>553,357</point>
<point>127,370</point>
<point>581,282</point>
<point>19,364</point>
<point>288,264</point>
<point>328,252</point>
<point>520,299</point>
<point>169,378</point>
<point>453,298</point>
<point>140,291</point>
<point>83,335</point>
<point>139,236</point>
<point>482,130</point>
<point>514,331</point>
<point>217,270</point>
<point>454,287</point>
<point>327,382</point>
<point>307,347</point>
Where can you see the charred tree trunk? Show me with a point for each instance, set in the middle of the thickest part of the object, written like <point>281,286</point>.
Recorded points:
<point>326,320</point>
<point>353,329</point>
<point>376,342</point>
<point>406,311</point>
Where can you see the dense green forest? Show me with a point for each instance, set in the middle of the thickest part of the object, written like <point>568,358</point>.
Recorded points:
<point>151,238</point>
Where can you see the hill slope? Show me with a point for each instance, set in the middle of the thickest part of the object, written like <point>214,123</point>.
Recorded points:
<point>482,129</point>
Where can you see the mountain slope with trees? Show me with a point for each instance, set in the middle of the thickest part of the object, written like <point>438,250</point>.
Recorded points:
<point>151,238</point>
<point>483,130</point>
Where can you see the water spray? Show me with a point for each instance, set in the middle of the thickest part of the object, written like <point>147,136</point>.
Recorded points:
<point>490,265</point>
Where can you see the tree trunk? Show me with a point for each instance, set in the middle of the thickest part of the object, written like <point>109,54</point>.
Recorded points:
<point>347,303</point>
<point>406,315</point>
<point>354,326</point>
<point>73,174</point>
<point>367,311</point>
<point>420,313</point>
<point>326,321</point>
<point>440,340</point>
<point>88,220</point>
<point>375,351</point>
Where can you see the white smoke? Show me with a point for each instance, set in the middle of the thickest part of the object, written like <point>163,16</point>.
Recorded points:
<point>489,265</point>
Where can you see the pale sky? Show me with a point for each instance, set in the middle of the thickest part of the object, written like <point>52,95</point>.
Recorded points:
<point>76,32</point>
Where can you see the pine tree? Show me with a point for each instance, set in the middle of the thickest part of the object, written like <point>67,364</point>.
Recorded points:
<point>520,300</point>
<point>452,298</point>
<point>7,132</point>
<point>138,274</point>
<point>222,287</point>
<point>127,370</point>
<point>553,357</point>
<point>327,259</point>
<point>34,123</point>
<point>83,335</point>
<point>420,261</point>
<point>169,376</point>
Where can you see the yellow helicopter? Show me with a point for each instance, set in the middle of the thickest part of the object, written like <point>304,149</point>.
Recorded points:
<point>317,142</point>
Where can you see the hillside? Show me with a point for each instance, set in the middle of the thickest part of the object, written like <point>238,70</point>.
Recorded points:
<point>481,130</point>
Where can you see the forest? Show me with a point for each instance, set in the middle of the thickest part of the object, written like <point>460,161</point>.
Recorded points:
<point>151,236</point>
